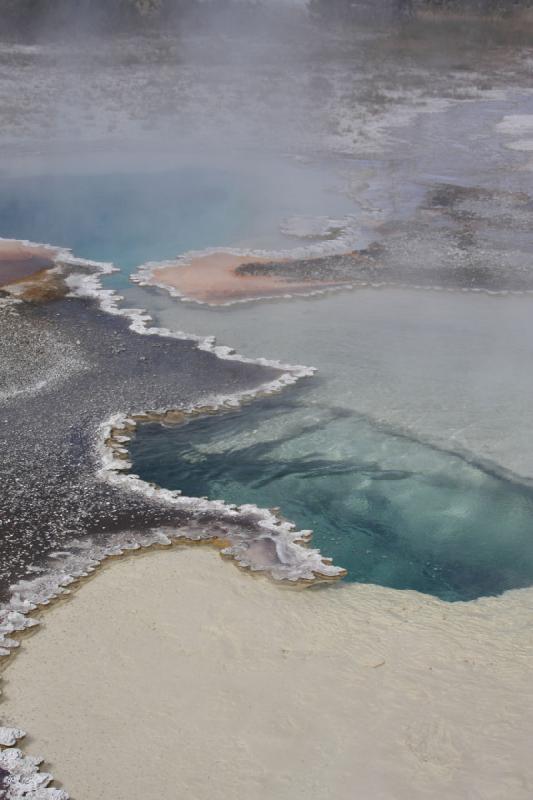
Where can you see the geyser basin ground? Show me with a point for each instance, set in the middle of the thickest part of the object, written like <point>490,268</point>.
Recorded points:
<point>205,683</point>
<point>70,375</point>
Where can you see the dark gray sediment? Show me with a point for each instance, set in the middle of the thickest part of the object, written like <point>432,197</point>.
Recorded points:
<point>66,367</point>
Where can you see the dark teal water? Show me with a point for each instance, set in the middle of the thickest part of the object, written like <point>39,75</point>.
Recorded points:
<point>391,511</point>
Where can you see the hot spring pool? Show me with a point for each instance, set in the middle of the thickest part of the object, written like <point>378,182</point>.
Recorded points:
<point>390,510</point>
<point>362,453</point>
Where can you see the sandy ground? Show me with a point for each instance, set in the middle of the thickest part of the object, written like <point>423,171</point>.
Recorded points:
<point>212,279</point>
<point>173,675</point>
<point>19,261</point>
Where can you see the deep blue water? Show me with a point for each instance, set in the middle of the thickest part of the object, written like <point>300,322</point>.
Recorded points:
<point>391,511</point>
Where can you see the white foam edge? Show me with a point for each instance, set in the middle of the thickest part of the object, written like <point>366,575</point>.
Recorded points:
<point>295,561</point>
<point>10,736</point>
<point>64,255</point>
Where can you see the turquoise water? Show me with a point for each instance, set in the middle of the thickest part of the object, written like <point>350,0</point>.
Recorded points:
<point>390,510</point>
<point>129,217</point>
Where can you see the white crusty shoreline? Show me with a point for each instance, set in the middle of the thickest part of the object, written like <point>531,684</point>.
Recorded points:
<point>295,562</point>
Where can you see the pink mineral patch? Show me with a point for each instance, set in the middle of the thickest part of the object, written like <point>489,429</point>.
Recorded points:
<point>19,261</point>
<point>213,279</point>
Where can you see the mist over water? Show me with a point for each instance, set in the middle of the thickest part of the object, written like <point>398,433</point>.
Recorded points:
<point>173,205</point>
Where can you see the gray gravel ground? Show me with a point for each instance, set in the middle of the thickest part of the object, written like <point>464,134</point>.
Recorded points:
<point>94,367</point>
